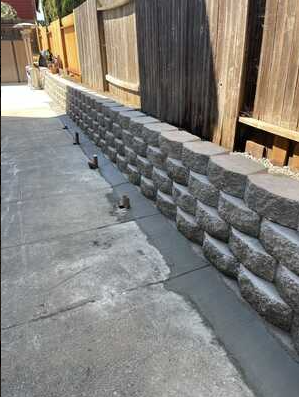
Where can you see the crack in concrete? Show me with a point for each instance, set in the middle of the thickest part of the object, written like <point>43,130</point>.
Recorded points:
<point>75,233</point>
<point>65,309</point>
<point>86,301</point>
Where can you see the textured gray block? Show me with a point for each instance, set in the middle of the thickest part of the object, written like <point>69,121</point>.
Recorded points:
<point>112,153</point>
<point>147,188</point>
<point>183,198</point>
<point>95,125</point>
<point>282,243</point>
<point>133,174</point>
<point>187,225</point>
<point>102,144</point>
<point>127,138</point>
<point>109,137</point>
<point>275,197</point>
<point>136,125</point>
<point>234,211</point>
<point>107,109</point>
<point>219,254</point>
<point>177,171</point>
<point>123,118</point>
<point>210,221</point>
<point>287,284</point>
<point>107,124</point>
<point>196,155</point>
<point>252,255</point>
<point>95,137</point>
<point>100,119</point>
<point>201,188</point>
<point>161,181</point>
<point>144,166</point>
<point>166,205</point>
<point>99,102</point>
<point>93,114</point>
<point>265,299</point>
<point>117,131</point>
<point>139,146</point>
<point>119,146</point>
<point>295,332</point>
<point>156,157</point>
<point>121,162</point>
<point>229,173</point>
<point>171,142</point>
<point>113,111</point>
<point>130,155</point>
<point>152,132</point>
<point>102,132</point>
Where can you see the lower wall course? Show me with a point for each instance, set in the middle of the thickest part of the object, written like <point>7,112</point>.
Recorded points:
<point>177,171</point>
<point>144,166</point>
<point>235,212</point>
<point>183,198</point>
<point>264,297</point>
<point>162,181</point>
<point>287,284</point>
<point>166,205</point>
<point>210,221</point>
<point>219,254</point>
<point>188,226</point>
<point>147,188</point>
<point>201,188</point>
<point>282,243</point>
<point>133,174</point>
<point>156,157</point>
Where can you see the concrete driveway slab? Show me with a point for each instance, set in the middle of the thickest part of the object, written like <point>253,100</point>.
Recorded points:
<point>55,216</point>
<point>34,140</point>
<point>144,343</point>
<point>46,275</point>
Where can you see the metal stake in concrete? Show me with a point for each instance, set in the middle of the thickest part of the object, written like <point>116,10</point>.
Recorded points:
<point>76,139</point>
<point>124,202</point>
<point>93,164</point>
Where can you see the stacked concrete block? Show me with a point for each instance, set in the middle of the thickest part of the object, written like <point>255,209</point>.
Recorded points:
<point>246,220</point>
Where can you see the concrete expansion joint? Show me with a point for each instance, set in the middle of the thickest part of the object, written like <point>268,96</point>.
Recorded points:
<point>132,219</point>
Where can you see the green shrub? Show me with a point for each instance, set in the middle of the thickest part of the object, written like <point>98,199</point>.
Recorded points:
<point>54,9</point>
<point>67,6</point>
<point>7,11</point>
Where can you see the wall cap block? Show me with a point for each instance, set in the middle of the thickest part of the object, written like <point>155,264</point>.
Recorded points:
<point>196,155</point>
<point>275,197</point>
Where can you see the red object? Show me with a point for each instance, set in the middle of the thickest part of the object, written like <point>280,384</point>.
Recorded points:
<point>25,8</point>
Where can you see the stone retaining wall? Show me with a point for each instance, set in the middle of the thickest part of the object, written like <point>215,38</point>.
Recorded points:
<point>246,220</point>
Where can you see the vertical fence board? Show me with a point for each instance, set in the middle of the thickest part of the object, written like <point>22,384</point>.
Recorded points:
<point>87,32</point>
<point>276,100</point>
<point>121,51</point>
<point>70,43</point>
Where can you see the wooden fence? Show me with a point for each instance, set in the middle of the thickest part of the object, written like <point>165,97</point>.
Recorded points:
<point>60,38</point>
<point>120,35</point>
<point>209,66</point>
<point>107,44</point>
<point>191,63</point>
<point>89,46</point>
<point>275,108</point>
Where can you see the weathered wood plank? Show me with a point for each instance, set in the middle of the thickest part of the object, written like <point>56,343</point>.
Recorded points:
<point>119,30</point>
<point>276,100</point>
<point>272,128</point>
<point>89,51</point>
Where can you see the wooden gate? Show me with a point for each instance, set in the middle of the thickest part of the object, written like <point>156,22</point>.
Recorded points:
<point>13,61</point>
